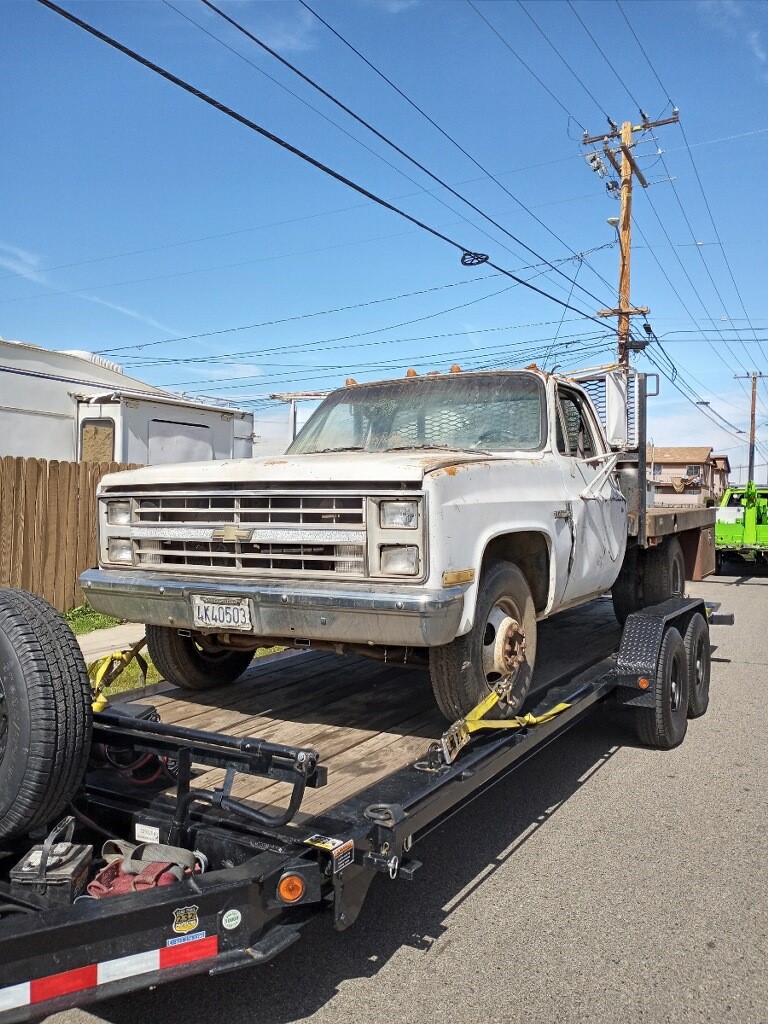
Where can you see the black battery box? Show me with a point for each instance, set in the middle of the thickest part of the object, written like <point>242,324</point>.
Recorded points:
<point>56,872</point>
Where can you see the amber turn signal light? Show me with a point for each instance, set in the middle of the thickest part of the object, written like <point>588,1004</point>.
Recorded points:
<point>291,888</point>
<point>643,683</point>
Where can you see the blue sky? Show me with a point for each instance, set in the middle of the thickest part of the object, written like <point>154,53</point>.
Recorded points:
<point>104,161</point>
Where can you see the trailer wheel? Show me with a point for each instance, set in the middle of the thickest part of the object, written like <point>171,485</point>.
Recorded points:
<point>45,714</point>
<point>699,665</point>
<point>665,724</point>
<point>191,663</point>
<point>664,572</point>
<point>502,642</point>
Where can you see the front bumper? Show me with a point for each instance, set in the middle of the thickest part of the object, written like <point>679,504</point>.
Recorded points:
<point>352,613</point>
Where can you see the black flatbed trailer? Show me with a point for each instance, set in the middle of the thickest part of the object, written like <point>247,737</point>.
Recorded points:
<point>235,914</point>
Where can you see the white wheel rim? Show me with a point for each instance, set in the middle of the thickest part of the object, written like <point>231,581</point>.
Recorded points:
<point>503,643</point>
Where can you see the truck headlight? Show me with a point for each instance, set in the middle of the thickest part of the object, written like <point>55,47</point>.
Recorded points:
<point>120,549</point>
<point>399,560</point>
<point>118,513</point>
<point>402,515</point>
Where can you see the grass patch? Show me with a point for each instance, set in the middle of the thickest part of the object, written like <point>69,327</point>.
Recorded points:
<point>84,619</point>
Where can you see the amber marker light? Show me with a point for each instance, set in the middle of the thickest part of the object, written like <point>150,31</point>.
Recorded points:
<point>291,888</point>
<point>643,683</point>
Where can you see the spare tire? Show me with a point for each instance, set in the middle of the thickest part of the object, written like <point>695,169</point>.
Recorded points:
<point>45,714</point>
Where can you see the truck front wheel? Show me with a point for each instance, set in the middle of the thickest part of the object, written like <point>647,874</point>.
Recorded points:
<point>500,645</point>
<point>192,662</point>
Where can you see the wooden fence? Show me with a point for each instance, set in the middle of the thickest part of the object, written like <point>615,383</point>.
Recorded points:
<point>48,525</point>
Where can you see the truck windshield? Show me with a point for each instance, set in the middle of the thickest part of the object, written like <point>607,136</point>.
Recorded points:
<point>500,411</point>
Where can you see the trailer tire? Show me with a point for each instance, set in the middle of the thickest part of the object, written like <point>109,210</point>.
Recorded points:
<point>699,656</point>
<point>663,572</point>
<point>460,670</point>
<point>183,661</point>
<point>665,724</point>
<point>45,714</point>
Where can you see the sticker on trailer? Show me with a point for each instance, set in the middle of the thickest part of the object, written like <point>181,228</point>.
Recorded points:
<point>146,833</point>
<point>179,939</point>
<point>231,920</point>
<point>342,853</point>
<point>185,920</point>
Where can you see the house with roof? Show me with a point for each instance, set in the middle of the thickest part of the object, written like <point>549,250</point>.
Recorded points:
<point>687,475</point>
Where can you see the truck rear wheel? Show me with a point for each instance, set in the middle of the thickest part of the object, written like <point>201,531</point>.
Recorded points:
<point>627,591</point>
<point>663,572</point>
<point>665,724</point>
<point>45,714</point>
<point>192,662</point>
<point>699,665</point>
<point>501,644</point>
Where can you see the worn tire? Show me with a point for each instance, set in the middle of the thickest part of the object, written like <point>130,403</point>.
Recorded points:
<point>665,724</point>
<point>45,714</point>
<point>699,656</point>
<point>456,669</point>
<point>663,572</point>
<point>181,661</point>
<point>627,590</point>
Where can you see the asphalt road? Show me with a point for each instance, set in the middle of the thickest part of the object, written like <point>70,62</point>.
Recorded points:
<point>602,882</point>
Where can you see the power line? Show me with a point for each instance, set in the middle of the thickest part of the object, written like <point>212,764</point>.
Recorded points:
<point>469,258</point>
<point>361,206</point>
<point>527,67</point>
<point>292,319</point>
<point>445,134</point>
<point>379,135</point>
<point>235,356</point>
<point>700,183</point>
<point>568,341</point>
<point>349,135</point>
<point>642,50</point>
<point>604,55</point>
<point>331,344</point>
<point>549,42</point>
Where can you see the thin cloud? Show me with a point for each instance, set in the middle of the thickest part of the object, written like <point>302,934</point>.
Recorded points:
<point>394,6</point>
<point>733,19</point>
<point>25,264</point>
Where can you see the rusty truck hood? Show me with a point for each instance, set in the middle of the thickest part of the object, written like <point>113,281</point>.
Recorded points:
<point>329,468</point>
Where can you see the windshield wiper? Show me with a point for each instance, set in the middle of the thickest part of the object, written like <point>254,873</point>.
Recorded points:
<point>438,447</point>
<point>348,448</point>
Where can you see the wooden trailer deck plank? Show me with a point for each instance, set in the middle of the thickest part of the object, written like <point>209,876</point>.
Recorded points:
<point>366,719</point>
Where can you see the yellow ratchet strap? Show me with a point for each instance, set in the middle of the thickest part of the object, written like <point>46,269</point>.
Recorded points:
<point>105,671</point>
<point>460,733</point>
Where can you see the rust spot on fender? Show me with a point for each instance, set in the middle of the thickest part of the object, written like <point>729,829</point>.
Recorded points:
<point>451,470</point>
<point>275,462</point>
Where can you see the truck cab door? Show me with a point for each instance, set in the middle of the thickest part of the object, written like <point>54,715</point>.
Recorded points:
<point>595,506</point>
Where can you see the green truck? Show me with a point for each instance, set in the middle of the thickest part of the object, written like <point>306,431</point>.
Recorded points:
<point>741,528</point>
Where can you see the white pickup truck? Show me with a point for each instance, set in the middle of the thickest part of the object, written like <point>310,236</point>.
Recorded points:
<point>431,519</point>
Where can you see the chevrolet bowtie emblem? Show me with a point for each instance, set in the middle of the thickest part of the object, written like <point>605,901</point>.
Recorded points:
<point>232,535</point>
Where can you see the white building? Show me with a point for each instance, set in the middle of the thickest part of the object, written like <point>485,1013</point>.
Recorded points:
<point>74,406</point>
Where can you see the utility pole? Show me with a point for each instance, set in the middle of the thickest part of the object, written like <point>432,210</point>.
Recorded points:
<point>623,162</point>
<point>752,417</point>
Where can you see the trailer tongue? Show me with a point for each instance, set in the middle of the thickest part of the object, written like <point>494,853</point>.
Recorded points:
<point>270,869</point>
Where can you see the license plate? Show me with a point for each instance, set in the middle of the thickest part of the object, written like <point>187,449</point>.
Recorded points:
<point>221,612</point>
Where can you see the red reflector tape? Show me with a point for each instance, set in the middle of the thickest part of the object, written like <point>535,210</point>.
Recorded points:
<point>83,978</point>
<point>186,952</point>
<point>62,984</point>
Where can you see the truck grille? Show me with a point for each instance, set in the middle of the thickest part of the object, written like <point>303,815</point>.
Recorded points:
<point>243,534</point>
<point>299,510</point>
